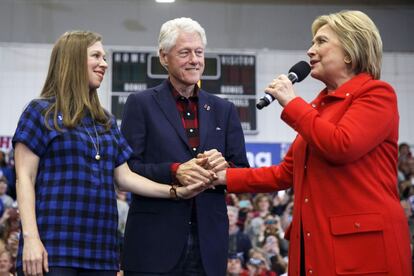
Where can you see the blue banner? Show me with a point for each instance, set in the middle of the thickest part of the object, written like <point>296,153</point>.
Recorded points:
<point>265,154</point>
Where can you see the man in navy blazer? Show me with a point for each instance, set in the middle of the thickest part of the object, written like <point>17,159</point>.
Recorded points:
<point>169,128</point>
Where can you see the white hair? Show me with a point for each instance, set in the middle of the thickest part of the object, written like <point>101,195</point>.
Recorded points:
<point>172,28</point>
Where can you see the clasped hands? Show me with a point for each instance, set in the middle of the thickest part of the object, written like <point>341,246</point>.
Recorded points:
<point>200,173</point>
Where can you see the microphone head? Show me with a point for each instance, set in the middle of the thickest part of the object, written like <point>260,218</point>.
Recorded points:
<point>301,70</point>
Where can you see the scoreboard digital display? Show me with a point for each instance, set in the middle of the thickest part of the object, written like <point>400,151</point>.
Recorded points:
<point>230,76</point>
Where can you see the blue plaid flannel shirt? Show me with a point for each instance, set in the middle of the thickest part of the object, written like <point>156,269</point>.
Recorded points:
<point>76,206</point>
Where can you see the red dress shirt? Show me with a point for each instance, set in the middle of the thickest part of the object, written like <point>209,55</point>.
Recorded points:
<point>188,109</point>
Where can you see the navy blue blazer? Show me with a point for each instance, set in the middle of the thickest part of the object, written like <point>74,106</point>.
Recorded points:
<point>157,229</point>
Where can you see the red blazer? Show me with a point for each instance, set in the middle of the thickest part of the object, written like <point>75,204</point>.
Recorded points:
<point>343,169</point>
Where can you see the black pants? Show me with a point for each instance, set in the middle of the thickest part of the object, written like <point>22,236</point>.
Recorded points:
<point>189,264</point>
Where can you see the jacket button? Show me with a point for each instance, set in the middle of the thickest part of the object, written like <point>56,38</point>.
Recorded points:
<point>357,225</point>
<point>306,200</point>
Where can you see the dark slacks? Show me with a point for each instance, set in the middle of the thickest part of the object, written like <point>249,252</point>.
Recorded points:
<point>189,264</point>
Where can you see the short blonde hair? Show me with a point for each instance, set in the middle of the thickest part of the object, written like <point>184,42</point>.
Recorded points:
<point>359,37</point>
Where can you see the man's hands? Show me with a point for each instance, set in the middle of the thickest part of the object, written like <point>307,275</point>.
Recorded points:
<point>215,160</point>
<point>218,164</point>
<point>203,172</point>
<point>195,171</point>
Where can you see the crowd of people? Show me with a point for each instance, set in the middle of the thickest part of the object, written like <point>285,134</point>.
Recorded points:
<point>257,222</point>
<point>9,215</point>
<point>406,185</point>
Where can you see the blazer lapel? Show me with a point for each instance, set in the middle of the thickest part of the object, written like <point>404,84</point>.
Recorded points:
<point>205,113</point>
<point>167,104</point>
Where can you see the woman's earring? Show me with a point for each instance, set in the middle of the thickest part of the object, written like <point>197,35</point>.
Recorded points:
<point>347,60</point>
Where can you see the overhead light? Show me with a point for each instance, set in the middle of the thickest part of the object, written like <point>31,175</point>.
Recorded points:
<point>165,1</point>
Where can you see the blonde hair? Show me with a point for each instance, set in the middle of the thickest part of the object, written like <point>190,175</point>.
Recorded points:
<point>359,37</point>
<point>67,81</point>
<point>7,253</point>
<point>259,198</point>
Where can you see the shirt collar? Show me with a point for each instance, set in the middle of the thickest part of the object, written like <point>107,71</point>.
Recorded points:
<point>178,96</point>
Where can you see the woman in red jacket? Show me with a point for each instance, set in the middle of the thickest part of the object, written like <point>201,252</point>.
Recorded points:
<point>347,218</point>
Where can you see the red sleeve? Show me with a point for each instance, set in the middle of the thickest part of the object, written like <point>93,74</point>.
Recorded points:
<point>261,180</point>
<point>365,123</point>
<point>173,169</point>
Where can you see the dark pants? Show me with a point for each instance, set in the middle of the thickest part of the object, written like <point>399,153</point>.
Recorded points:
<point>68,271</point>
<point>189,264</point>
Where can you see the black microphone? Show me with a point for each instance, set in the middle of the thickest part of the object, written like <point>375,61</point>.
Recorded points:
<point>297,73</point>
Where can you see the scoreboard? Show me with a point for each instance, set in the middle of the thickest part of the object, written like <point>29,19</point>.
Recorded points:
<point>229,76</point>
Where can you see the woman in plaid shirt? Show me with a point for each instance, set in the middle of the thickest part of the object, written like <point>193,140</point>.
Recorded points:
<point>68,153</point>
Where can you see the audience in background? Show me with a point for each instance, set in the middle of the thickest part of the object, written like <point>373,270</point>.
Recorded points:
<point>259,263</point>
<point>6,263</point>
<point>9,238</point>
<point>267,216</point>
<point>9,216</point>
<point>406,186</point>
<point>404,152</point>
<point>4,197</point>
<point>239,242</point>
<point>7,170</point>
<point>271,247</point>
<point>264,231</point>
<point>235,265</point>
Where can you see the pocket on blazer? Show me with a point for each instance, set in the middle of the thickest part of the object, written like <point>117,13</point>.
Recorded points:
<point>358,242</point>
